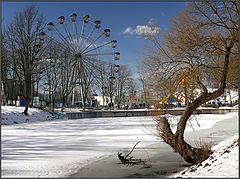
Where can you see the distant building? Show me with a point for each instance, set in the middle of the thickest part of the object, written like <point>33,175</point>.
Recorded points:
<point>104,101</point>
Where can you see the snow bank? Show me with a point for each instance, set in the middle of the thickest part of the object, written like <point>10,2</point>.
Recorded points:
<point>224,162</point>
<point>199,121</point>
<point>14,115</point>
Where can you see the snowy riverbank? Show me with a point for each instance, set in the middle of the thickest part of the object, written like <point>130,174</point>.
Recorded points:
<point>15,115</point>
<point>223,163</point>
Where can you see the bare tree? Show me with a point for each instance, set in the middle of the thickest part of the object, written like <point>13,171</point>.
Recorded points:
<point>5,68</point>
<point>196,53</point>
<point>122,84</point>
<point>68,78</point>
<point>147,88</point>
<point>131,91</point>
<point>23,44</point>
<point>102,79</point>
<point>153,78</point>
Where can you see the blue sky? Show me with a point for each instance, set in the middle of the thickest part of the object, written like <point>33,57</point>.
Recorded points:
<point>120,17</point>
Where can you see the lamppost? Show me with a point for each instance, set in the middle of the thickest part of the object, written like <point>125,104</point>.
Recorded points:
<point>116,69</point>
<point>229,93</point>
<point>111,81</point>
<point>13,92</point>
<point>104,91</point>
<point>49,91</point>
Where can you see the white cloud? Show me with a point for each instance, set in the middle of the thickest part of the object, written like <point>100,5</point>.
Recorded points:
<point>143,30</point>
<point>147,30</point>
<point>128,30</point>
<point>152,22</point>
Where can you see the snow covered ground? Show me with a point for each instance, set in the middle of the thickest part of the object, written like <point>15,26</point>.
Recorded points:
<point>14,115</point>
<point>223,163</point>
<point>57,148</point>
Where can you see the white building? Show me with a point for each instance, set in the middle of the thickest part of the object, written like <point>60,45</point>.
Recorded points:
<point>104,101</point>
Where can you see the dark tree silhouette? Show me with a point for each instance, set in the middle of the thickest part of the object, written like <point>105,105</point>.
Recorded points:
<point>23,44</point>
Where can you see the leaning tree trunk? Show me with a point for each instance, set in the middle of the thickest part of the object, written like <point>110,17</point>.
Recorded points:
<point>189,153</point>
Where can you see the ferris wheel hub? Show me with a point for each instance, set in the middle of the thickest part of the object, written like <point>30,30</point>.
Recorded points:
<point>78,55</point>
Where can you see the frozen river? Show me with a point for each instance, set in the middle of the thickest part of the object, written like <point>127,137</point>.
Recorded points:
<point>58,148</point>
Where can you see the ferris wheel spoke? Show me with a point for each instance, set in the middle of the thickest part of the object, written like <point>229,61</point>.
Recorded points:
<point>97,80</point>
<point>88,36</point>
<point>96,66</point>
<point>89,63</point>
<point>49,45</point>
<point>92,42</point>
<point>60,44</point>
<point>81,35</point>
<point>91,32</point>
<point>94,75</point>
<point>97,47</point>
<point>74,27</point>
<point>87,76</point>
<point>59,34</point>
<point>76,34</point>
<point>89,69</point>
<point>69,34</point>
<point>96,54</point>
<point>83,29</point>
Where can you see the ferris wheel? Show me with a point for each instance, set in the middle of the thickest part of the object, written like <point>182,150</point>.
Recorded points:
<point>86,43</point>
<point>85,40</point>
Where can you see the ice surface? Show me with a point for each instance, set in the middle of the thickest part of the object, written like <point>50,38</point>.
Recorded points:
<point>58,148</point>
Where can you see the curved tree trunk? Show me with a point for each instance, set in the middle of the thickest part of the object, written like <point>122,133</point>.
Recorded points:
<point>189,153</point>
<point>176,141</point>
